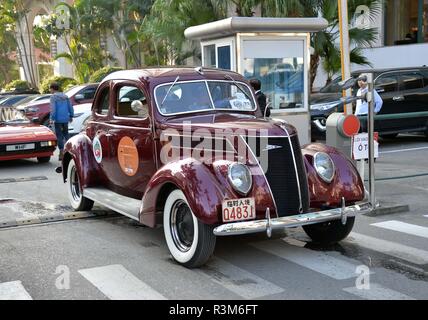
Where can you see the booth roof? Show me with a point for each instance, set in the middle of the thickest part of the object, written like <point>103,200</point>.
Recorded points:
<point>233,25</point>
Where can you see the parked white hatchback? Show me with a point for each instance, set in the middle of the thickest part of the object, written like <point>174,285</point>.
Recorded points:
<point>82,114</point>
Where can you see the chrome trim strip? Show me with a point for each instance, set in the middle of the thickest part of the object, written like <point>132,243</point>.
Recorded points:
<point>263,225</point>
<point>261,169</point>
<point>295,168</point>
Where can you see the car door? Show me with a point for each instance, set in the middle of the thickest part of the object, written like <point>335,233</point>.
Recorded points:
<point>386,85</point>
<point>413,100</point>
<point>131,141</point>
<point>98,131</point>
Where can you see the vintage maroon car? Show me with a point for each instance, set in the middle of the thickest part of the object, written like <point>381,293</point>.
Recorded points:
<point>185,147</point>
<point>21,139</point>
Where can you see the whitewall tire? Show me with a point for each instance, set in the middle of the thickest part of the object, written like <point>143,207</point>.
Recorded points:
<point>75,191</point>
<point>190,242</point>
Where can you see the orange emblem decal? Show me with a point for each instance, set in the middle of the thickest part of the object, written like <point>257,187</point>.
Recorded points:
<point>127,154</point>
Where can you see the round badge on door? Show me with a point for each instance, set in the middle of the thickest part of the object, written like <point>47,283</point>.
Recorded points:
<point>97,149</point>
<point>127,154</point>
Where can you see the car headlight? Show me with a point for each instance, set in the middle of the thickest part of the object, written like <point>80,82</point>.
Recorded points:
<point>324,106</point>
<point>240,178</point>
<point>324,166</point>
<point>47,144</point>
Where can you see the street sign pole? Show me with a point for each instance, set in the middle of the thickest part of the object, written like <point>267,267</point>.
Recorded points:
<point>370,125</point>
<point>345,49</point>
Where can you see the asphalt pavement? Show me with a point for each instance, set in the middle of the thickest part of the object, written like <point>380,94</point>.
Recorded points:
<point>112,257</point>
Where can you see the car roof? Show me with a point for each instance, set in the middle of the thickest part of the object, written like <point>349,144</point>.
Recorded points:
<point>382,70</point>
<point>169,72</point>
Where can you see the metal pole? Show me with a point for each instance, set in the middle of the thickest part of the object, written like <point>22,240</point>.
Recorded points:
<point>370,125</point>
<point>344,49</point>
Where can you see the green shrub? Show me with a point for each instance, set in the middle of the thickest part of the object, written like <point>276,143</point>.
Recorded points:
<point>63,82</point>
<point>18,85</point>
<point>100,74</point>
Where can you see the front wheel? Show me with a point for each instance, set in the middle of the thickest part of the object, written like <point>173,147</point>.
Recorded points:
<point>75,191</point>
<point>190,241</point>
<point>329,232</point>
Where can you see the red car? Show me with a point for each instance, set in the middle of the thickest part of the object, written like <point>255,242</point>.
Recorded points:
<point>78,95</point>
<point>184,148</point>
<point>21,139</point>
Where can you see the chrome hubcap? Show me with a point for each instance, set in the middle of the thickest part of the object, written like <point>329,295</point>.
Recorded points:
<point>182,228</point>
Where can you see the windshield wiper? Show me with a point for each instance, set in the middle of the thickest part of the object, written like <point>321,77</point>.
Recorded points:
<point>238,86</point>
<point>169,89</point>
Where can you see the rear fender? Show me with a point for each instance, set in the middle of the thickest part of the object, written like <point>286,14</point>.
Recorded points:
<point>79,148</point>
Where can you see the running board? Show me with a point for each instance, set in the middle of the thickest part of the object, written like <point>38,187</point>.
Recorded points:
<point>129,207</point>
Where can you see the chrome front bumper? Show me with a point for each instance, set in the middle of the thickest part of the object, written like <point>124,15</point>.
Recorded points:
<point>268,224</point>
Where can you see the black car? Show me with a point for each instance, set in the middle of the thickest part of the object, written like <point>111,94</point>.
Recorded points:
<point>404,93</point>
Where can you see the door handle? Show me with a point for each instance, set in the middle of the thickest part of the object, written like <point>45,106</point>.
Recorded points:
<point>398,98</point>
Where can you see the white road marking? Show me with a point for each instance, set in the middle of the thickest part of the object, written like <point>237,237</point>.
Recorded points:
<point>403,150</point>
<point>313,260</point>
<point>403,227</point>
<point>117,283</point>
<point>237,280</point>
<point>13,290</point>
<point>414,255</point>
<point>377,292</point>
<point>426,216</point>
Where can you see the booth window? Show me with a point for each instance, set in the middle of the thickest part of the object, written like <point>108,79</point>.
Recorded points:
<point>282,80</point>
<point>209,56</point>
<point>223,54</point>
<point>217,56</point>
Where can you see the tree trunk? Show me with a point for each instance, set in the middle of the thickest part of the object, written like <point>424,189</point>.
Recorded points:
<point>315,61</point>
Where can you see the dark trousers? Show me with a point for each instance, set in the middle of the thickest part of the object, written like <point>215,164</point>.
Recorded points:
<point>61,131</point>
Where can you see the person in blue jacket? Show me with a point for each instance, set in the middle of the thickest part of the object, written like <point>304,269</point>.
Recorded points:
<point>61,114</point>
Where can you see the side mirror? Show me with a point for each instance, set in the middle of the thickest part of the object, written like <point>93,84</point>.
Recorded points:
<point>140,108</point>
<point>79,97</point>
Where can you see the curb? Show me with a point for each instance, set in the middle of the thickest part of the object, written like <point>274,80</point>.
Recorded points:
<point>53,218</point>
<point>386,209</point>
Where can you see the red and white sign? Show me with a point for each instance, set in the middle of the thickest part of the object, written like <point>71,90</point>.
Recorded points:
<point>238,210</point>
<point>360,146</point>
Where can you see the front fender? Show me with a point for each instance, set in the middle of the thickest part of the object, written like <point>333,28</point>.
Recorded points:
<point>347,182</point>
<point>200,186</point>
<point>79,148</point>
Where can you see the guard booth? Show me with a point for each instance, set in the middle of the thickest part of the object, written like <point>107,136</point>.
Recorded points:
<point>274,50</point>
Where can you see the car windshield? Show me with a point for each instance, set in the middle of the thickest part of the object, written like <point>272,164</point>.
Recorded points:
<point>73,90</point>
<point>185,97</point>
<point>11,115</point>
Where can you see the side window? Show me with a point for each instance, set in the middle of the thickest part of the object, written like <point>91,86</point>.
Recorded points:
<point>386,83</point>
<point>411,81</point>
<point>88,93</point>
<point>131,103</point>
<point>103,102</point>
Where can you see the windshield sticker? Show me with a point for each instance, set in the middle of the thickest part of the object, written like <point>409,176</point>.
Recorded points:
<point>98,150</point>
<point>127,154</point>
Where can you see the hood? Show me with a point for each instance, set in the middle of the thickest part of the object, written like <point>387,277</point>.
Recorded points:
<point>84,107</point>
<point>58,96</point>
<point>237,123</point>
<point>25,132</point>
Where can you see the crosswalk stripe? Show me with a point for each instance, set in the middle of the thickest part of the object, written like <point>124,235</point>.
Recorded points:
<point>13,290</point>
<point>426,215</point>
<point>403,227</point>
<point>414,255</point>
<point>237,280</point>
<point>117,283</point>
<point>377,292</point>
<point>313,260</point>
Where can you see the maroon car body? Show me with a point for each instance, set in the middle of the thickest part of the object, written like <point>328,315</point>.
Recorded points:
<point>291,192</point>
<point>78,95</point>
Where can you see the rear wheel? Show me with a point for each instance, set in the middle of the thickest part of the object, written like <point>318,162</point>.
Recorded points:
<point>190,241</point>
<point>329,232</point>
<point>44,159</point>
<point>75,191</point>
